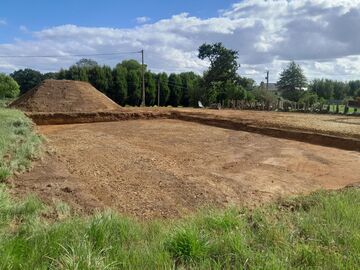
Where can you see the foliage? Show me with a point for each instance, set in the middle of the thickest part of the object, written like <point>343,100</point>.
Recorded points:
<point>164,88</point>
<point>18,143</point>
<point>27,79</point>
<point>175,86</point>
<point>292,82</point>
<point>134,87</point>
<point>308,98</point>
<point>8,87</point>
<point>86,63</point>
<point>246,83</point>
<point>120,91</point>
<point>262,95</point>
<point>235,92</point>
<point>150,89</point>
<point>222,71</point>
<point>354,88</point>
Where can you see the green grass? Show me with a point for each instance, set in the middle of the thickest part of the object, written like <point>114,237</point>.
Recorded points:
<point>18,143</point>
<point>5,101</point>
<point>319,231</point>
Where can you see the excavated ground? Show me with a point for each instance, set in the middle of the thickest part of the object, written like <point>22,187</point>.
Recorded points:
<point>169,168</point>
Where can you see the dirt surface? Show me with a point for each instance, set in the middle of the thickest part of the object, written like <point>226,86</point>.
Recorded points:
<point>338,125</point>
<point>64,96</point>
<point>169,168</point>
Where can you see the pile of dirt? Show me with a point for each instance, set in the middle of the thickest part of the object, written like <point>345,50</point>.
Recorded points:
<point>64,96</point>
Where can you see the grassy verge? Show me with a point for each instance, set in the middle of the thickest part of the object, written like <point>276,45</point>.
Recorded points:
<point>18,144</point>
<point>320,231</point>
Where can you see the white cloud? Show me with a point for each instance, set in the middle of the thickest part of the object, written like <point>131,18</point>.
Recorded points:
<point>320,35</point>
<point>142,20</point>
<point>23,29</point>
<point>3,22</point>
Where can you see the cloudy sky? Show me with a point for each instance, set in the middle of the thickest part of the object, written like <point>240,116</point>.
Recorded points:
<point>321,35</point>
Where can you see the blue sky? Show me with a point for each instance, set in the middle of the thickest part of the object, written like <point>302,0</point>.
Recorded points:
<point>320,35</point>
<point>36,15</point>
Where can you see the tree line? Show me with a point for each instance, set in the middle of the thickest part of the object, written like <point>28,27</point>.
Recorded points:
<point>123,83</point>
<point>220,83</point>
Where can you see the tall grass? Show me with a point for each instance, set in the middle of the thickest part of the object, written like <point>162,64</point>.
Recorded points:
<point>18,143</point>
<point>319,231</point>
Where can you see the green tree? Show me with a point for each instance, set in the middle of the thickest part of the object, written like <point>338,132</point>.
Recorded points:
<point>235,92</point>
<point>98,78</point>
<point>222,70</point>
<point>109,84</point>
<point>247,83</point>
<point>9,88</point>
<point>164,88</point>
<point>120,86</point>
<point>175,87</point>
<point>189,81</point>
<point>341,90</point>
<point>131,65</point>
<point>26,79</point>
<point>354,87</point>
<point>264,96</point>
<point>323,88</point>
<point>134,87</point>
<point>62,74</point>
<point>292,82</point>
<point>77,73</point>
<point>309,98</point>
<point>50,75</point>
<point>86,63</point>
<point>150,89</point>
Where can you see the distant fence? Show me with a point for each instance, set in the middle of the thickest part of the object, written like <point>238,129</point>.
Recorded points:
<point>352,107</point>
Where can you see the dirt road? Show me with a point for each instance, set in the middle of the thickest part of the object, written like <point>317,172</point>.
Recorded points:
<point>169,168</point>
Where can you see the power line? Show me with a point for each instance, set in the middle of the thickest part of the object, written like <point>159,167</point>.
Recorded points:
<point>68,55</point>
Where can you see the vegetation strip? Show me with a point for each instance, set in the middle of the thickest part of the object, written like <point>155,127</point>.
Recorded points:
<point>18,144</point>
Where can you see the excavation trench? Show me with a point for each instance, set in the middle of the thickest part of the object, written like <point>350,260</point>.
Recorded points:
<point>316,138</point>
<point>169,168</point>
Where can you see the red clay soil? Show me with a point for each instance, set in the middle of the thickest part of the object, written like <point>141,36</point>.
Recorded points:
<point>64,96</point>
<point>170,168</point>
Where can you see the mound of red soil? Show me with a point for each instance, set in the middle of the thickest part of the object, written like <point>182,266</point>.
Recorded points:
<point>64,96</point>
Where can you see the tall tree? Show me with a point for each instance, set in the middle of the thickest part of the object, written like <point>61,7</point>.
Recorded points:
<point>323,88</point>
<point>354,88</point>
<point>175,90</point>
<point>27,79</point>
<point>150,89</point>
<point>86,63</point>
<point>164,88</point>
<point>8,87</point>
<point>77,73</point>
<point>109,84</point>
<point>292,82</point>
<point>341,90</point>
<point>222,71</point>
<point>134,87</point>
<point>120,85</point>
<point>98,79</point>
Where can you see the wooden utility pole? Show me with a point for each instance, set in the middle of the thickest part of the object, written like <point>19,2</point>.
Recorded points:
<point>159,91</point>
<point>267,80</point>
<point>143,79</point>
